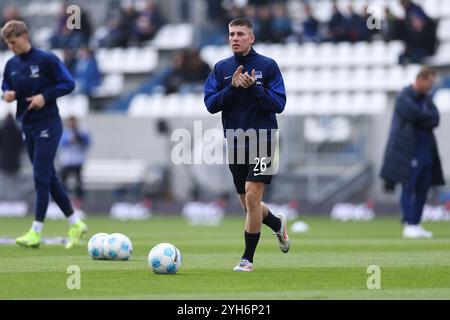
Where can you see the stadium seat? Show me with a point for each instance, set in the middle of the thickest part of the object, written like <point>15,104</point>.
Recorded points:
<point>73,105</point>
<point>112,85</point>
<point>292,80</point>
<point>433,8</point>
<point>110,60</point>
<point>394,49</point>
<point>213,54</point>
<point>336,129</point>
<point>173,105</point>
<point>41,36</point>
<point>326,55</point>
<point>162,106</point>
<point>193,105</point>
<point>341,103</point>
<point>138,106</point>
<point>129,60</point>
<point>443,31</point>
<point>377,103</point>
<point>340,129</point>
<point>313,131</point>
<point>310,51</point>
<point>324,104</point>
<point>174,36</point>
<point>442,100</point>
<point>40,8</point>
<point>132,60</point>
<point>304,80</point>
<point>322,10</point>
<point>293,106</point>
<point>291,56</point>
<point>209,55</point>
<point>342,79</point>
<point>6,108</point>
<point>107,174</point>
<point>324,80</point>
<point>411,73</point>
<point>59,53</point>
<point>396,8</point>
<point>442,57</point>
<point>307,103</point>
<point>378,56</point>
<point>277,52</point>
<point>268,50</point>
<point>445,9</point>
<point>360,54</point>
<point>395,78</point>
<point>359,103</point>
<point>4,57</point>
<point>343,55</point>
<point>378,79</point>
<point>155,105</point>
<point>360,79</point>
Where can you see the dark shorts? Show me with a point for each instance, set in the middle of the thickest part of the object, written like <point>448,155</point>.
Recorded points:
<point>246,172</point>
<point>256,168</point>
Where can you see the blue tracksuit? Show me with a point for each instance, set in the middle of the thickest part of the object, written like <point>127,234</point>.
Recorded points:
<point>32,73</point>
<point>252,108</point>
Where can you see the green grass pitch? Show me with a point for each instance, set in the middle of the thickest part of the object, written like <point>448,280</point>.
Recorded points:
<point>328,262</point>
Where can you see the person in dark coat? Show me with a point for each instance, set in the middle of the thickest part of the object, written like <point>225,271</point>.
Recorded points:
<point>411,157</point>
<point>10,146</point>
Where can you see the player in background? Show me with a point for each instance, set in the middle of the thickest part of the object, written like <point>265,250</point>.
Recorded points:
<point>249,90</point>
<point>36,78</point>
<point>74,146</point>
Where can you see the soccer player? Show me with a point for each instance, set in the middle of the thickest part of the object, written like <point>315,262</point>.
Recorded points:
<point>249,90</point>
<point>411,157</point>
<point>35,79</point>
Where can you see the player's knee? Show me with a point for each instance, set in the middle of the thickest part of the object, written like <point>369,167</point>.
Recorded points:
<point>42,180</point>
<point>252,198</point>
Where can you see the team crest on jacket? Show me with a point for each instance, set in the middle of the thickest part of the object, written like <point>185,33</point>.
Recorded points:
<point>258,77</point>
<point>34,71</point>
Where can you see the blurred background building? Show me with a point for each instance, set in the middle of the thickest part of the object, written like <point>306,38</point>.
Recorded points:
<point>140,66</point>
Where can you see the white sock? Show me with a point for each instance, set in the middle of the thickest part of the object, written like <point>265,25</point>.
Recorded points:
<point>37,226</point>
<point>73,219</point>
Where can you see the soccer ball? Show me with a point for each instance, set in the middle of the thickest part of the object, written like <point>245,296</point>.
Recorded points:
<point>117,246</point>
<point>164,258</point>
<point>95,246</point>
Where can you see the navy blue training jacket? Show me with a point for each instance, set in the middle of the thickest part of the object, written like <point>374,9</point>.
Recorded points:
<point>251,108</point>
<point>37,72</point>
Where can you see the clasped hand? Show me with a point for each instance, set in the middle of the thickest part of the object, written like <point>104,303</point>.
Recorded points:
<point>243,80</point>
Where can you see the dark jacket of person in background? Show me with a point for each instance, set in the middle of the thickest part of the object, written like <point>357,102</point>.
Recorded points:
<point>10,146</point>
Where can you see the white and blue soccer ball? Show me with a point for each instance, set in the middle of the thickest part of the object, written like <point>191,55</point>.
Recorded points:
<point>117,246</point>
<point>164,258</point>
<point>95,246</point>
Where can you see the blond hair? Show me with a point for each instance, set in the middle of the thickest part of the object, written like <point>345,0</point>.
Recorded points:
<point>426,72</point>
<point>242,22</point>
<point>14,28</point>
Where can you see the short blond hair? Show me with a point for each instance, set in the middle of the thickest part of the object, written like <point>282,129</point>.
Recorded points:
<point>14,28</point>
<point>426,72</point>
<point>241,22</point>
